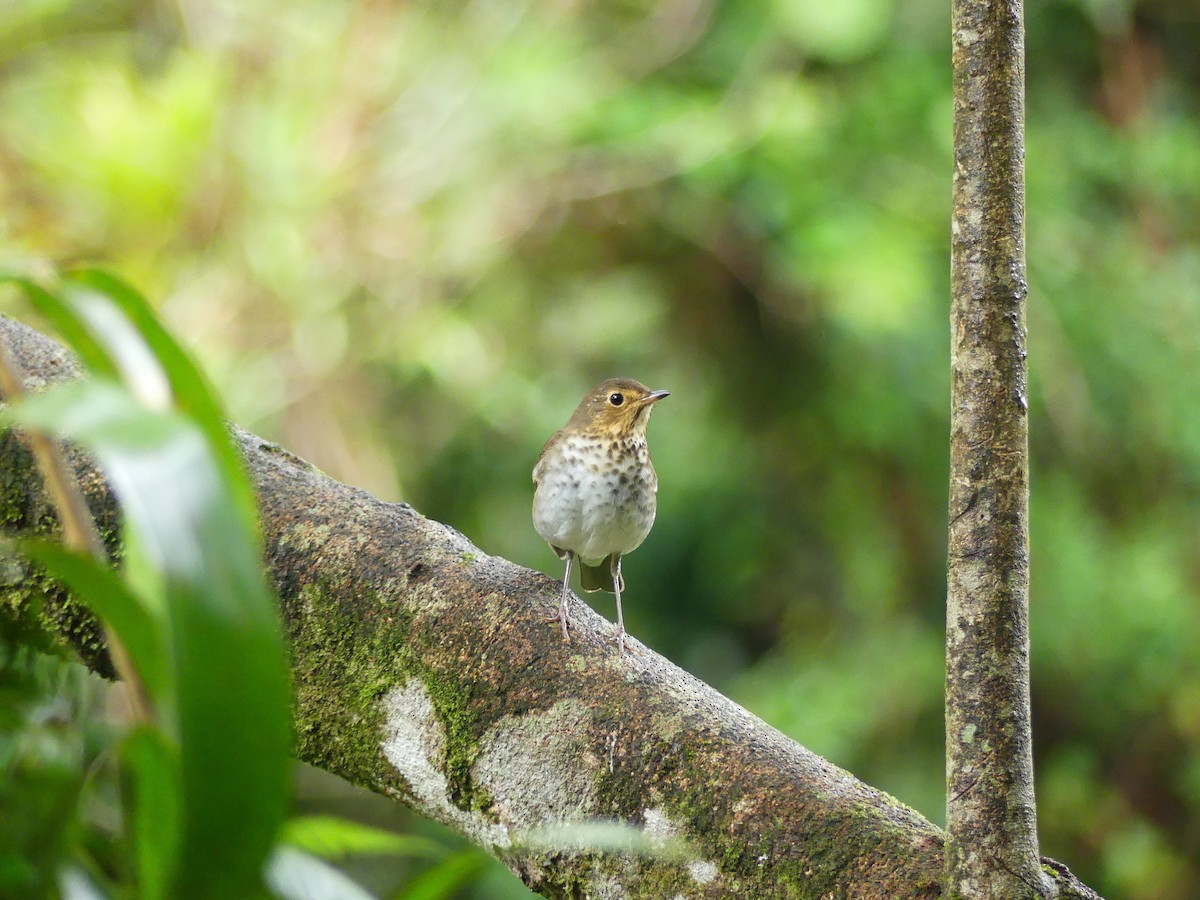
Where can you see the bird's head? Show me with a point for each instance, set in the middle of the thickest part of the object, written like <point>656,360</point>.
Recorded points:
<point>616,407</point>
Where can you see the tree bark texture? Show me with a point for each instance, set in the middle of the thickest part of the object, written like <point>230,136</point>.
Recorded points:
<point>432,673</point>
<point>992,847</point>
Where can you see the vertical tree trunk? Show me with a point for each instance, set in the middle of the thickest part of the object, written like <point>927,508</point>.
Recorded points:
<point>992,848</point>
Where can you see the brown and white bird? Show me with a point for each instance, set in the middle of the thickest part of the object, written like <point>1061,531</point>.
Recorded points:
<point>597,491</point>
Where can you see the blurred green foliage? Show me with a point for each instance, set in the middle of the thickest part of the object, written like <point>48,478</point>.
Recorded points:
<point>405,238</point>
<point>203,770</point>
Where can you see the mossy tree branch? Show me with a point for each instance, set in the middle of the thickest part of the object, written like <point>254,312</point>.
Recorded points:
<point>430,672</point>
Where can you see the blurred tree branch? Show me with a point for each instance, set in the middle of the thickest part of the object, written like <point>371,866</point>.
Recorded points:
<point>428,671</point>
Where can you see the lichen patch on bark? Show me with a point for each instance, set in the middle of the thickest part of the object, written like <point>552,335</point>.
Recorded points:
<point>414,742</point>
<point>538,768</point>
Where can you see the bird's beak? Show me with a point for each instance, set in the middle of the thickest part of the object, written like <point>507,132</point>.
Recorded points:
<point>653,397</point>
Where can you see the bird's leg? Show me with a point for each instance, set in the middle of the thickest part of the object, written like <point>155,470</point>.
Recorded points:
<point>563,615</point>
<point>619,628</point>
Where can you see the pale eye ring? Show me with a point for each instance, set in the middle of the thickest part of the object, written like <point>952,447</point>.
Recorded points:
<point>616,399</point>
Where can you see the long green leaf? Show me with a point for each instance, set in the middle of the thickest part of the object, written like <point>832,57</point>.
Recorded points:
<point>76,884</point>
<point>185,505</point>
<point>192,392</point>
<point>58,311</point>
<point>140,630</point>
<point>154,820</point>
<point>294,875</point>
<point>447,876</point>
<point>334,838</point>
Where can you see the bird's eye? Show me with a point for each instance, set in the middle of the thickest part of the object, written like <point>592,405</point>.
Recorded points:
<point>616,399</point>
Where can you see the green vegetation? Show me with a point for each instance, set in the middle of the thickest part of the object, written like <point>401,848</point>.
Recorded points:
<point>403,239</point>
<point>203,762</point>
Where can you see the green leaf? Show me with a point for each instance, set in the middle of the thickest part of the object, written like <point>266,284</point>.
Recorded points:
<point>192,544</point>
<point>157,463</point>
<point>76,884</point>
<point>153,765</point>
<point>188,384</point>
<point>63,318</point>
<point>293,875</point>
<point>443,879</point>
<point>140,628</point>
<point>332,838</point>
<point>39,791</point>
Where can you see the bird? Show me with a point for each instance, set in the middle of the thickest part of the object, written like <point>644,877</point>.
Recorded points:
<point>597,491</point>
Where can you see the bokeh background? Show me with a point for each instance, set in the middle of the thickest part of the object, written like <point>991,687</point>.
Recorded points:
<point>404,238</point>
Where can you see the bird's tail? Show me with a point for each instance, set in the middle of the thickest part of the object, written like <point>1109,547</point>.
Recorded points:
<point>598,577</point>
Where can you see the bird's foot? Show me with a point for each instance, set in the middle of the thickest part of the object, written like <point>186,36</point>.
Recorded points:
<point>563,617</point>
<point>621,639</point>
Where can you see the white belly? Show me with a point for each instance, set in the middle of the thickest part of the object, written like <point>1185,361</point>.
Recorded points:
<point>594,512</point>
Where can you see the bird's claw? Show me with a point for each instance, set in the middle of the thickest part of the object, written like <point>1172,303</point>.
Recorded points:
<point>563,617</point>
<point>620,637</point>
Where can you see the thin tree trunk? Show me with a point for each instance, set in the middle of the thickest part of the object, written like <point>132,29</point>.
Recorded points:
<point>992,846</point>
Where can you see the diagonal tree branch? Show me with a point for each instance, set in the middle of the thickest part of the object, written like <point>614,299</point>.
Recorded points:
<point>427,671</point>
